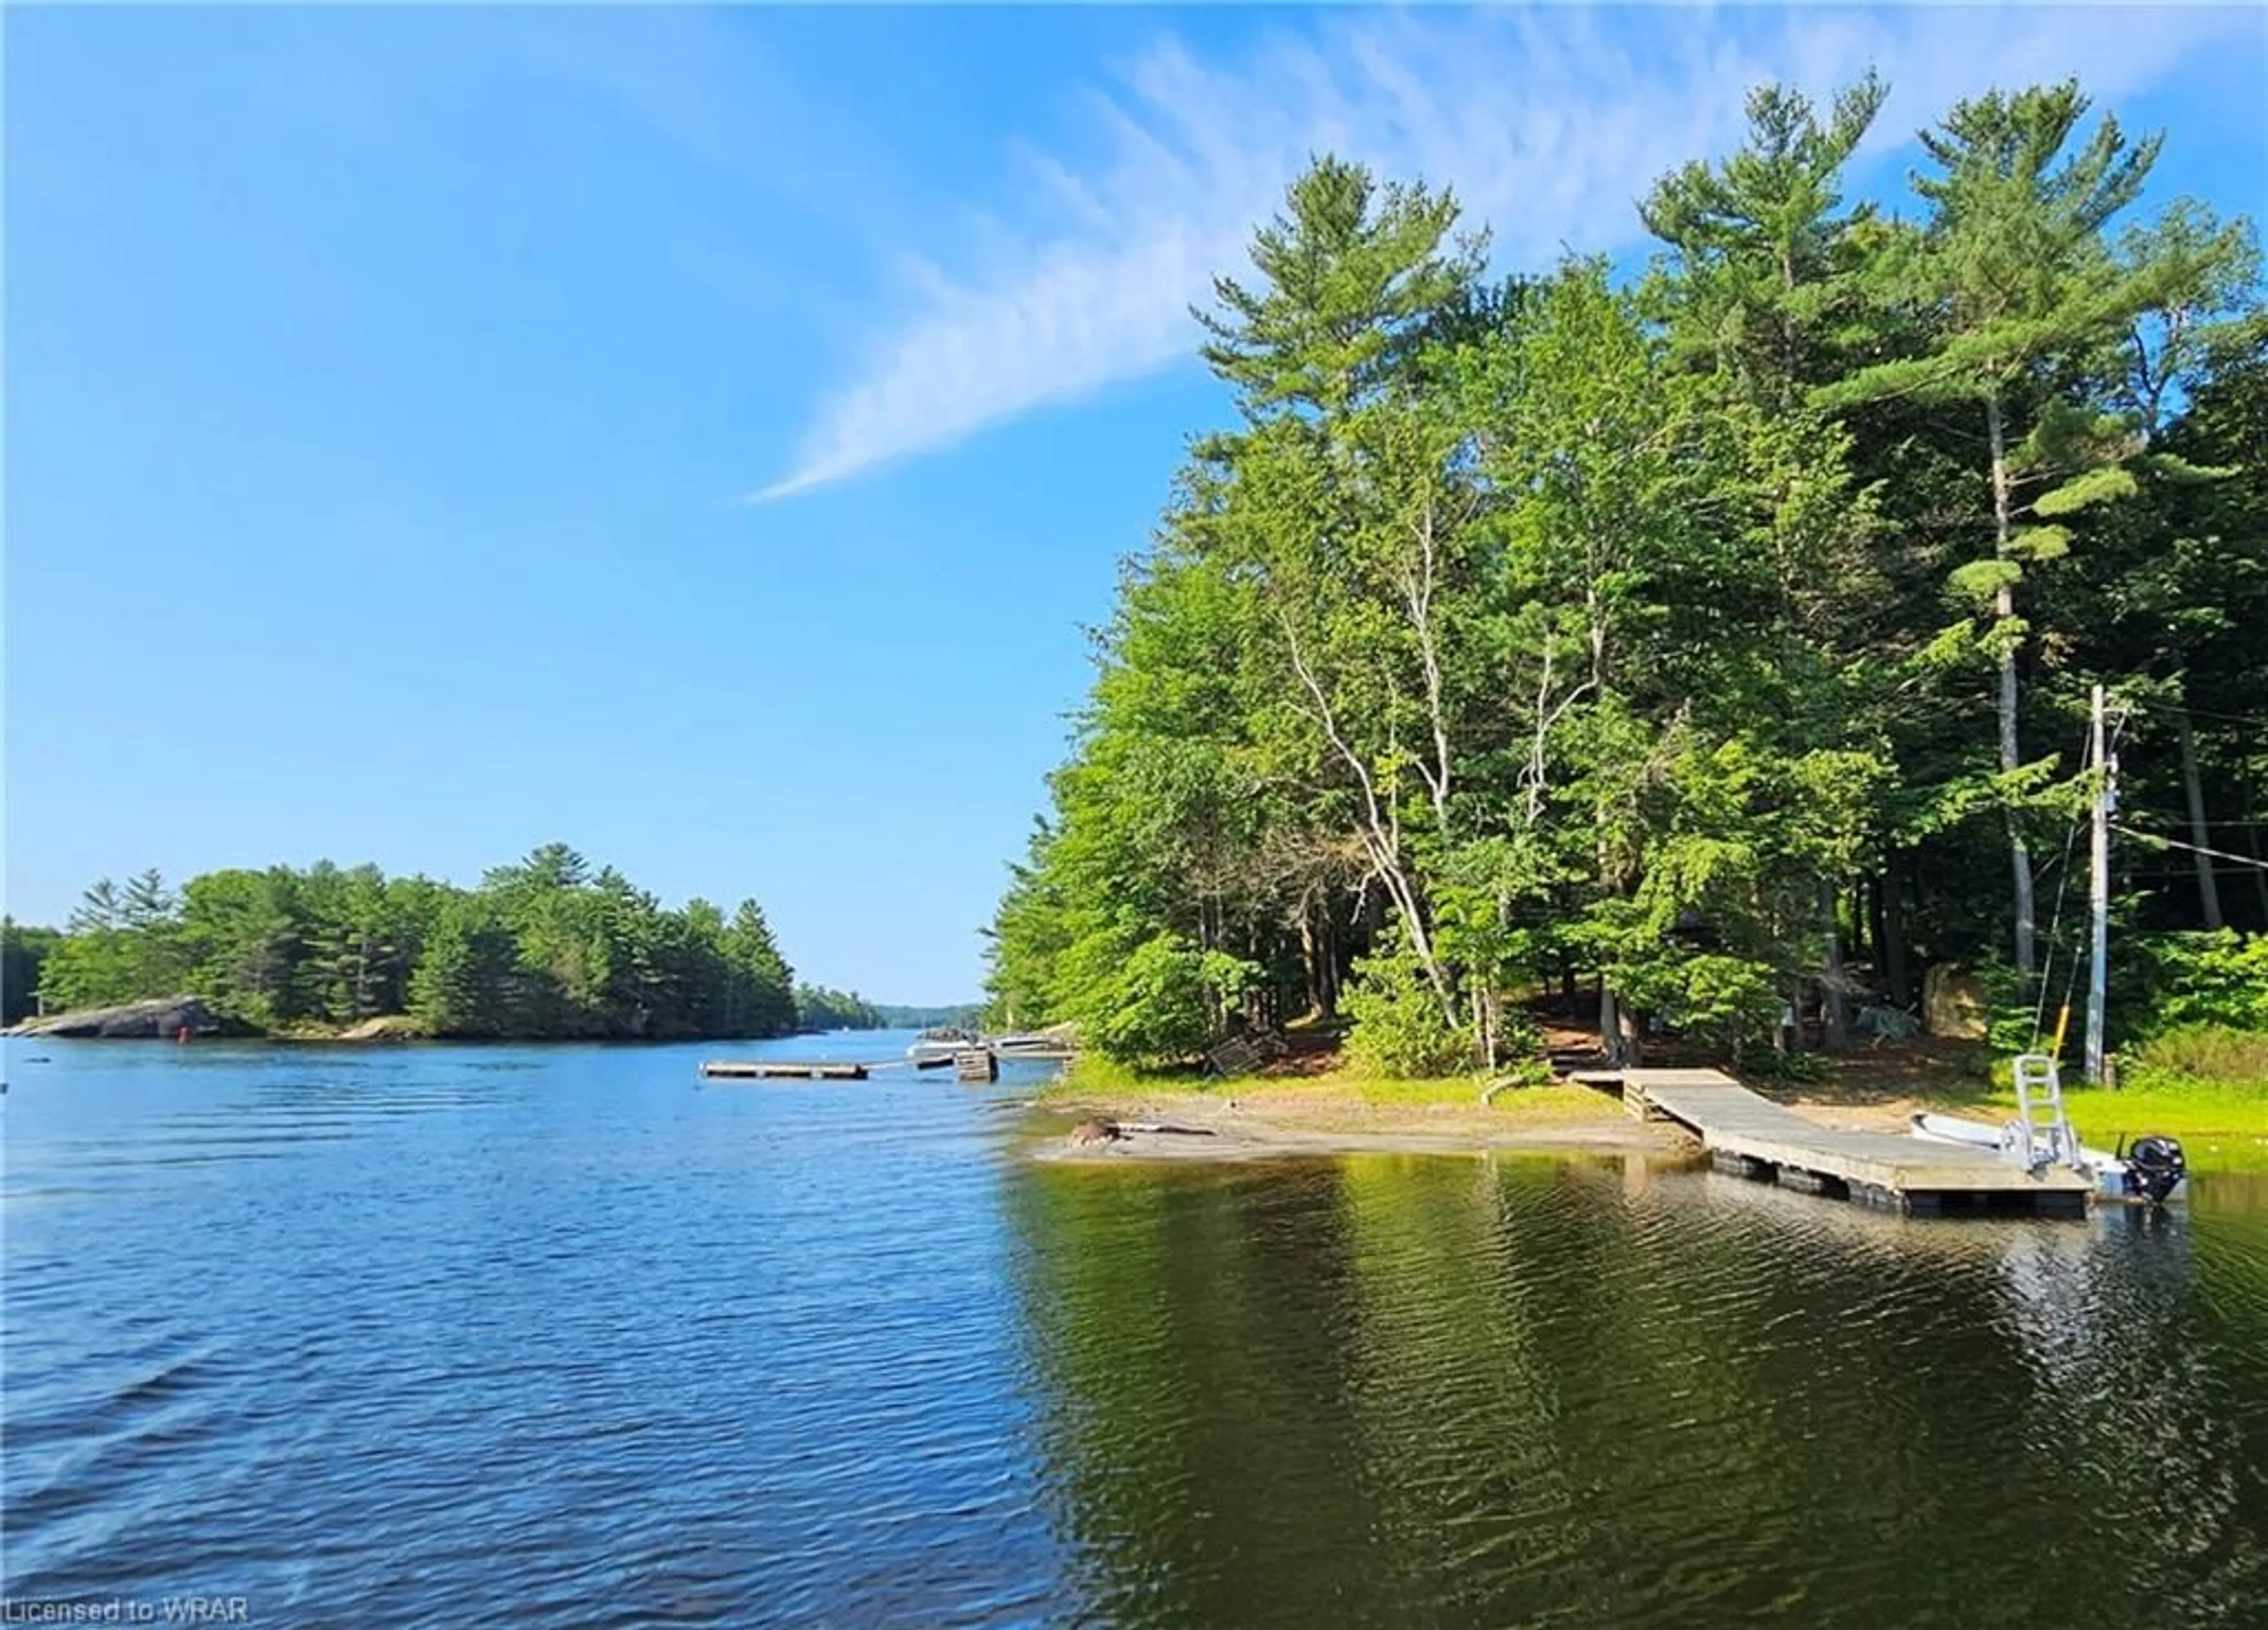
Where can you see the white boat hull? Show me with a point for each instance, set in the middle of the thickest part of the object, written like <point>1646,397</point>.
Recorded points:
<point>2108,1172</point>
<point>1952,1129</point>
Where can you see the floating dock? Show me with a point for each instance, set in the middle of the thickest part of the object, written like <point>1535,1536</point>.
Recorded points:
<point>977,1059</point>
<point>765,1070</point>
<point>1752,1137</point>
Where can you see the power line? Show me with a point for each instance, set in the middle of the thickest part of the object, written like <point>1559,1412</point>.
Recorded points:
<point>2172,843</point>
<point>2179,819</point>
<point>2055,919</point>
<point>2232,719</point>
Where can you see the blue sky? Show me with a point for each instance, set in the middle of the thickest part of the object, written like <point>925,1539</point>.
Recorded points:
<point>701,436</point>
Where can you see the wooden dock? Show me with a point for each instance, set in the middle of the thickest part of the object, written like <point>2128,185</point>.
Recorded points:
<point>1752,1137</point>
<point>766,1070</point>
<point>979,1060</point>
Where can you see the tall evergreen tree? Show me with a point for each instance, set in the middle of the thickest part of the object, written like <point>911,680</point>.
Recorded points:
<point>2014,271</point>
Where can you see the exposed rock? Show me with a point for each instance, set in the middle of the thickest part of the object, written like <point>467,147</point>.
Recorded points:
<point>165,1016</point>
<point>1953,1003</point>
<point>387,1027</point>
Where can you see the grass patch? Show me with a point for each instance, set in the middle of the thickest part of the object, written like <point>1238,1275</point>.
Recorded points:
<point>2198,1080</point>
<point>2219,1126</point>
<point>2102,1114</point>
<point>1089,1075</point>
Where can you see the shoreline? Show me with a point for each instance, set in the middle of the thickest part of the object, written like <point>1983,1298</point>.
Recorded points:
<point>1260,1119</point>
<point>1258,1122</point>
<point>388,1031</point>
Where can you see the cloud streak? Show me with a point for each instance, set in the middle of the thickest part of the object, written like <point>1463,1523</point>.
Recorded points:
<point>1548,123</point>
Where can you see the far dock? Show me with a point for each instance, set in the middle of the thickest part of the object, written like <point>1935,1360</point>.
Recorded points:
<point>764,1070</point>
<point>1750,1136</point>
<point>975,1059</point>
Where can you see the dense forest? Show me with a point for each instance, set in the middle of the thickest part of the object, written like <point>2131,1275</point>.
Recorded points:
<point>961,1014</point>
<point>543,948</point>
<point>1715,641</point>
<point>818,1008</point>
<point>840,1010</point>
<point>821,1008</point>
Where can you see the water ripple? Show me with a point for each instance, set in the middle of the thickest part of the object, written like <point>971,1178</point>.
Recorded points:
<point>557,1337</point>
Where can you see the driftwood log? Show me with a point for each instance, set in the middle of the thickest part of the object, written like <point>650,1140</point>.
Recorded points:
<point>1097,1130</point>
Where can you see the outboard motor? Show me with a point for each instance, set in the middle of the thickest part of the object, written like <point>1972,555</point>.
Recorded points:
<point>2154,1169</point>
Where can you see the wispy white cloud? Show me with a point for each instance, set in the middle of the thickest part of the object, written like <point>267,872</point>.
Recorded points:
<point>1548,123</point>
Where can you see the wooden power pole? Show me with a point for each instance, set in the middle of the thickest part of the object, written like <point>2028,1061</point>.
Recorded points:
<point>2098,894</point>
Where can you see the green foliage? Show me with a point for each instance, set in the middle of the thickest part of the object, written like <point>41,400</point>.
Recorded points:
<point>898,1016</point>
<point>24,950</point>
<point>819,1009</point>
<point>1763,271</point>
<point>1399,1030</point>
<point>1732,1000</point>
<point>2095,486</point>
<point>2014,1021</point>
<point>2039,543</point>
<point>1723,637</point>
<point>1159,1006</point>
<point>2193,1054</point>
<point>542,948</point>
<point>1330,328</point>
<point>2192,980</point>
<point>462,986</point>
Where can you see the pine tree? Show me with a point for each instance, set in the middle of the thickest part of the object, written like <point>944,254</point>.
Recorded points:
<point>2016,276</point>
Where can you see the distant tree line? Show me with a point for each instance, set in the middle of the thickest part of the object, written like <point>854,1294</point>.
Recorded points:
<point>23,951</point>
<point>966,1014</point>
<point>819,1009</point>
<point>1717,640</point>
<point>545,949</point>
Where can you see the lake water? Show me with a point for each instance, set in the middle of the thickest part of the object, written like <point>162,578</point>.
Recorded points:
<point>558,1336</point>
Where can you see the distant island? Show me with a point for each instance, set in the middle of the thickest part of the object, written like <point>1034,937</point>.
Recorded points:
<point>545,948</point>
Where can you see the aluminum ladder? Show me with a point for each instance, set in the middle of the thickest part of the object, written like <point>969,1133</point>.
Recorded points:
<point>2041,1134</point>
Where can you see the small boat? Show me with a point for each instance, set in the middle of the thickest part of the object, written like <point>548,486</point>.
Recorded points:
<point>2152,1170</point>
<point>937,1046</point>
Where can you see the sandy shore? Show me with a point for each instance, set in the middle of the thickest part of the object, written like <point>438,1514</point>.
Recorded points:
<point>1259,1126</point>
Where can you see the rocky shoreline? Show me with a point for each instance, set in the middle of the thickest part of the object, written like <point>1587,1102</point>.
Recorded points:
<point>163,1018</point>
<point>168,1018</point>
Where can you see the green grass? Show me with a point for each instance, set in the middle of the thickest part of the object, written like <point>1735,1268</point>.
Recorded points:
<point>1090,1075</point>
<point>2102,1113</point>
<point>2193,1081</point>
<point>2221,1125</point>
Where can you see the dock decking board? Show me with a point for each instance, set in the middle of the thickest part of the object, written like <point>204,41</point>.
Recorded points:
<point>1755,1137</point>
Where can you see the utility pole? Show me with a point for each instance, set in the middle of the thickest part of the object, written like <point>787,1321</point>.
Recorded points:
<point>2098,894</point>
